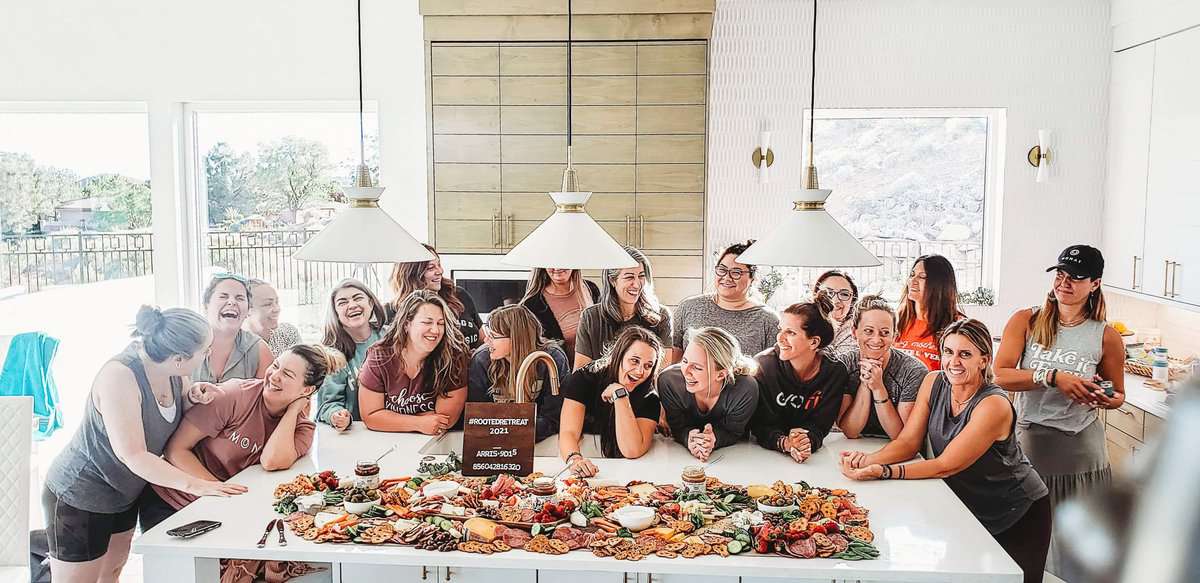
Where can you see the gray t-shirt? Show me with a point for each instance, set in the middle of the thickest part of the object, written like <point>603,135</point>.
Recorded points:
<point>596,331</point>
<point>242,362</point>
<point>1076,350</point>
<point>901,377</point>
<point>755,327</point>
<point>730,415</point>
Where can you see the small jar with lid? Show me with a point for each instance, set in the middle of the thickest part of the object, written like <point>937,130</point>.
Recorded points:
<point>367,474</point>
<point>542,491</point>
<point>694,480</point>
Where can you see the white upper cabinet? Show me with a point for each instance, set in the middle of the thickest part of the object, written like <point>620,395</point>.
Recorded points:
<point>1172,267</point>
<point>1130,98</point>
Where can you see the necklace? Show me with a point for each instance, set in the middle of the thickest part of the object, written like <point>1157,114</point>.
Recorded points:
<point>1069,324</point>
<point>963,403</point>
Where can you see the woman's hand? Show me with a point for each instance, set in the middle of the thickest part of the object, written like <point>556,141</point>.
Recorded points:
<point>870,372</point>
<point>1075,387</point>
<point>340,420</point>
<point>214,488</point>
<point>300,406</point>
<point>607,396</point>
<point>701,443</point>
<point>798,445</point>
<point>871,472</point>
<point>854,459</point>
<point>433,423</point>
<point>583,467</point>
<point>202,393</point>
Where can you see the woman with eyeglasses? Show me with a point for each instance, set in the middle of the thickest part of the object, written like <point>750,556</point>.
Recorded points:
<point>512,334</point>
<point>1052,357</point>
<point>353,323</point>
<point>628,299</point>
<point>971,429</point>
<point>236,353</point>
<point>612,397</point>
<point>732,307</point>
<point>415,377</point>
<point>840,288</point>
<point>264,318</point>
<point>557,298</point>
<point>883,380</point>
<point>928,304</point>
<point>710,396</point>
<point>429,275</point>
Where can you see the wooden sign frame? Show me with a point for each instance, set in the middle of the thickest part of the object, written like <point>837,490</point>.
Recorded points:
<point>498,438</point>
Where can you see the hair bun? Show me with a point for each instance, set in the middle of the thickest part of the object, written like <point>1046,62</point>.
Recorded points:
<point>149,321</point>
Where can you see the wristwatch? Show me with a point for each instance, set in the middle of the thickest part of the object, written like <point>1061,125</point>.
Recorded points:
<point>620,393</point>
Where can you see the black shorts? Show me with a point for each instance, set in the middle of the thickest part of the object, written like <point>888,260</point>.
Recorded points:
<point>78,536</point>
<point>152,509</point>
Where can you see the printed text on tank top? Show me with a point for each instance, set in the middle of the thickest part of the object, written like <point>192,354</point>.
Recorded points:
<point>1063,358</point>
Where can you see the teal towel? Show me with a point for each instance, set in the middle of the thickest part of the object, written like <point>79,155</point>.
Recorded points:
<point>27,372</point>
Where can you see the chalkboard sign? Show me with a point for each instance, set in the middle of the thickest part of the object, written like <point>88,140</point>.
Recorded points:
<point>498,438</point>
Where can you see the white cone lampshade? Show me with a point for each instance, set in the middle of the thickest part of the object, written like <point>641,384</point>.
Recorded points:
<point>363,233</point>
<point>569,239</point>
<point>809,237</point>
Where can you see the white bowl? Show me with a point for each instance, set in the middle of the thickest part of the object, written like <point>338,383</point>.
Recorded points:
<point>634,518</point>
<point>360,507</point>
<point>444,488</point>
<point>768,509</point>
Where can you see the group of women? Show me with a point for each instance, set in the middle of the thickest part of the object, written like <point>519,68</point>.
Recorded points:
<point>723,368</point>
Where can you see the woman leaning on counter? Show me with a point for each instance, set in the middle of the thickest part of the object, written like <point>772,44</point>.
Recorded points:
<point>801,389</point>
<point>883,380</point>
<point>628,299</point>
<point>415,377</point>
<point>353,323</point>
<point>614,398</point>
<point>1052,357</point>
<point>972,431</point>
<point>710,396</point>
<point>558,297</point>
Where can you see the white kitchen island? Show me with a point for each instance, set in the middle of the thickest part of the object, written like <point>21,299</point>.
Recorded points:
<point>923,532</point>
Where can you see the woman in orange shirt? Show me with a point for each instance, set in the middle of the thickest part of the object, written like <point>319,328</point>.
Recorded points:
<point>928,304</point>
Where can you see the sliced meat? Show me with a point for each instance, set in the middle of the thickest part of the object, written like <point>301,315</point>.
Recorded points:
<point>806,548</point>
<point>516,538</point>
<point>840,543</point>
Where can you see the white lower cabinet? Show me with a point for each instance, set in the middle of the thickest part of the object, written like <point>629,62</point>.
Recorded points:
<point>789,580</point>
<point>357,573</point>
<point>677,578</point>
<point>484,575</point>
<point>555,576</point>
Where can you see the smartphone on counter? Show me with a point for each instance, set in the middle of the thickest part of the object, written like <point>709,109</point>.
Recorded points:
<point>192,529</point>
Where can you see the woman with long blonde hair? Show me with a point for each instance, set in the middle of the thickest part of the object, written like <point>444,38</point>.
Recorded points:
<point>414,377</point>
<point>557,298</point>
<point>429,275</point>
<point>512,334</point>
<point>710,396</point>
<point>1052,357</point>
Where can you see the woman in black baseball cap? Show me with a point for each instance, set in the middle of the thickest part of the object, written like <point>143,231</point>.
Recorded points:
<point>1053,358</point>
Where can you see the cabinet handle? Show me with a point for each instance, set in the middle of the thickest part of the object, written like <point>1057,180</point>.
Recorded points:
<point>1129,413</point>
<point>642,233</point>
<point>1174,272</point>
<point>1134,278</point>
<point>627,235</point>
<point>625,577</point>
<point>447,574</point>
<point>424,573</point>
<point>512,231</point>
<point>495,230</point>
<point>1166,277</point>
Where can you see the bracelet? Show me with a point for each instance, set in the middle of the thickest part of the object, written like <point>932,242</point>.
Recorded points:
<point>901,468</point>
<point>1053,378</point>
<point>779,444</point>
<point>572,456</point>
<point>886,474</point>
<point>880,401</point>
<point>1039,377</point>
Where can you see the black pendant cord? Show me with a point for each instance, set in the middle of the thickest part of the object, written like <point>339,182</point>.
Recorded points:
<point>569,100</point>
<point>812,96</point>
<point>362,134</point>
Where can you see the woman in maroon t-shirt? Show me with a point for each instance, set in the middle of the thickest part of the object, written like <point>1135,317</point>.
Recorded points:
<point>415,377</point>
<point>262,421</point>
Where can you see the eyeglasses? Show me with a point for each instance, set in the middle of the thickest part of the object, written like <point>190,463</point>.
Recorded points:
<point>734,274</point>
<point>842,294</point>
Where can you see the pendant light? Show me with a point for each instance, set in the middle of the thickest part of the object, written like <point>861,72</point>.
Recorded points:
<point>809,236</point>
<point>569,238</point>
<point>363,233</point>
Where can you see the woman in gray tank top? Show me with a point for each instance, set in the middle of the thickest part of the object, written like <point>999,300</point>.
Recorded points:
<point>972,430</point>
<point>236,353</point>
<point>93,484</point>
<point>1052,357</point>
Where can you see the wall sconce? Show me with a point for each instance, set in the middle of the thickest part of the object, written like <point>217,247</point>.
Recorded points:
<point>1039,155</point>
<point>763,157</point>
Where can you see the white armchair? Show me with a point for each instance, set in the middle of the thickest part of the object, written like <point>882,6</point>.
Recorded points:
<point>16,414</point>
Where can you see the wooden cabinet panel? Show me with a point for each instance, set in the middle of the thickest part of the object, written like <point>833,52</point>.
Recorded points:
<point>1121,449</point>
<point>606,177</point>
<point>604,59</point>
<point>690,266</point>
<point>670,178</point>
<point>466,91</point>
<point>1154,427</point>
<point>533,119</point>
<point>665,236</point>
<point>670,119</point>
<point>532,177</point>
<point>534,149</point>
<point>670,149</point>
<point>605,119</point>
<point>533,60</point>
<point>671,207</point>
<point>466,177</point>
<point>533,91</point>
<point>466,148</point>
<point>463,119</point>
<point>671,89</point>
<point>465,59</point>
<point>528,206</point>
<point>466,205</point>
<point>672,59</point>
<point>672,290</point>
<point>466,236</point>
<point>611,206</point>
<point>605,149</point>
<point>1128,419</point>
<point>602,206</point>
<point>620,90</point>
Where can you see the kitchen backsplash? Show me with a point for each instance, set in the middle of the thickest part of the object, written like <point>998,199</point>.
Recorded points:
<point>1180,328</point>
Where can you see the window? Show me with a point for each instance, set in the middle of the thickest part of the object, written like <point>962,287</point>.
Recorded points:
<point>267,177</point>
<point>908,183</point>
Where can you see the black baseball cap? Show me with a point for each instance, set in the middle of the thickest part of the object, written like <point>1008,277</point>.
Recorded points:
<point>1080,262</point>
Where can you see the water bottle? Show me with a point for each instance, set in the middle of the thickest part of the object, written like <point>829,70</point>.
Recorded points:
<point>1160,371</point>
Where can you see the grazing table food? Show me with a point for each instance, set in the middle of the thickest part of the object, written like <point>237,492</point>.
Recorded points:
<point>439,509</point>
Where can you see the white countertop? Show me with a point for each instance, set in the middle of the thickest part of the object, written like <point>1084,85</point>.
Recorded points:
<point>1150,400</point>
<point>924,533</point>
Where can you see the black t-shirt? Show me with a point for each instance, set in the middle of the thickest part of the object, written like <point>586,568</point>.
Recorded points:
<point>729,416</point>
<point>785,401</point>
<point>585,386</point>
